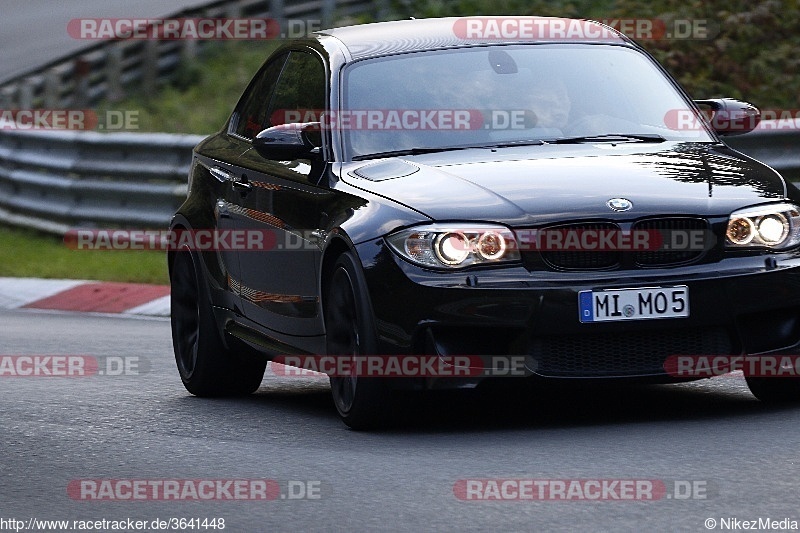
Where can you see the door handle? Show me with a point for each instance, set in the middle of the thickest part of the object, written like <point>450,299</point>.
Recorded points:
<point>240,182</point>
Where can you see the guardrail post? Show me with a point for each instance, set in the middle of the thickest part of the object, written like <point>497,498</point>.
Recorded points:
<point>277,14</point>
<point>150,67</point>
<point>188,50</point>
<point>25,94</point>
<point>233,10</point>
<point>114,73</point>
<point>80,73</point>
<point>52,89</point>
<point>328,7</point>
<point>382,10</point>
<point>6,98</point>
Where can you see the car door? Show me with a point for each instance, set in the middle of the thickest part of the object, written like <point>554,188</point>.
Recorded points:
<point>248,118</point>
<point>211,171</point>
<point>284,200</point>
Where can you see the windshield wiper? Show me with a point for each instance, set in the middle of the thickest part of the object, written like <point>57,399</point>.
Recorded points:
<point>431,150</point>
<point>610,137</point>
<point>410,151</point>
<point>511,144</point>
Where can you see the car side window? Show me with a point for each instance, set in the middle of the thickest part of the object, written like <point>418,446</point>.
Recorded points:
<point>250,116</point>
<point>300,93</point>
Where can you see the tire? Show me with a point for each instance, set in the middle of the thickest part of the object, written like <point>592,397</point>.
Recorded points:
<point>350,331</point>
<point>206,366</point>
<point>775,389</point>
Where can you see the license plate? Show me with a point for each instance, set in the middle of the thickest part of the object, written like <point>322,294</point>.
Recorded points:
<point>633,304</point>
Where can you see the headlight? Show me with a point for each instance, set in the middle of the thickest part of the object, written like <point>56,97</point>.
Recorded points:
<point>455,246</point>
<point>774,226</point>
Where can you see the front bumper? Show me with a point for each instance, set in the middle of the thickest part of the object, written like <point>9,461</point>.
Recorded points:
<point>740,305</point>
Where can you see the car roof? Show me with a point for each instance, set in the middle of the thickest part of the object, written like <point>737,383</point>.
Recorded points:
<point>384,38</point>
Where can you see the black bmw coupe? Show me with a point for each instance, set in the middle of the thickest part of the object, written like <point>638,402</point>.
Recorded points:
<point>421,190</point>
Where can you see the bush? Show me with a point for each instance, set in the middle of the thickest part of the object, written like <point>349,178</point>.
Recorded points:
<point>753,55</point>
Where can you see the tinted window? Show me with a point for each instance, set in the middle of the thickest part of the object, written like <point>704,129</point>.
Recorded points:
<point>300,94</point>
<point>250,116</point>
<point>498,94</point>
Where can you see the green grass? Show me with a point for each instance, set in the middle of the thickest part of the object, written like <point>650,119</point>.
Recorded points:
<point>203,93</point>
<point>27,253</point>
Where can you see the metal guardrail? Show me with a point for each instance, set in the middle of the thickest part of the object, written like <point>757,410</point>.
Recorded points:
<point>779,148</point>
<point>57,181</point>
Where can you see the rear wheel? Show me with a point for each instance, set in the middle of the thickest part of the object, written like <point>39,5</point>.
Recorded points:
<point>350,331</point>
<point>206,366</point>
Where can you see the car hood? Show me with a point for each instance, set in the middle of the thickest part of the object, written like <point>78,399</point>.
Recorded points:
<point>539,184</point>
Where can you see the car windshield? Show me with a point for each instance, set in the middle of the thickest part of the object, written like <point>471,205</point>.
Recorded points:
<point>506,95</point>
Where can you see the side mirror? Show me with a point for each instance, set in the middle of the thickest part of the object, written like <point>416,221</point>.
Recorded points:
<point>287,141</point>
<point>730,117</point>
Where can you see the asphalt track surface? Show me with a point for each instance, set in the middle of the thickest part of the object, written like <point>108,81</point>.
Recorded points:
<point>145,426</point>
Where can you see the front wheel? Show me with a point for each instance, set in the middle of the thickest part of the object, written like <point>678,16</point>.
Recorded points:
<point>350,331</point>
<point>206,366</point>
<point>775,389</point>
